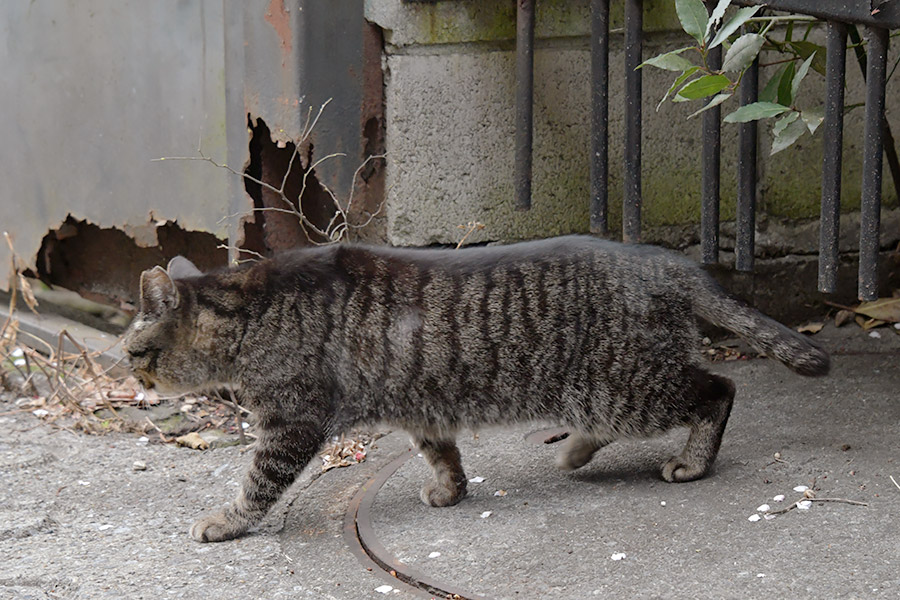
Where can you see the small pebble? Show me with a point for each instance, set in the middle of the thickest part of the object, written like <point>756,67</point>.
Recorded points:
<point>769,517</point>
<point>476,480</point>
<point>245,425</point>
<point>896,325</point>
<point>763,508</point>
<point>779,498</point>
<point>662,503</point>
<point>804,504</point>
<point>40,412</point>
<point>760,575</point>
<point>874,334</point>
<point>143,439</point>
<point>753,518</point>
<point>434,555</point>
<point>485,514</point>
<point>617,556</point>
<point>384,589</point>
<point>801,488</point>
<point>139,465</point>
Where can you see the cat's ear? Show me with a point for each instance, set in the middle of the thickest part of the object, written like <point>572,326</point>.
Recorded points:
<point>181,268</point>
<point>158,292</point>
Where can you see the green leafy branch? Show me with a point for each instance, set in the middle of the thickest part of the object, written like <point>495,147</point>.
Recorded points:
<point>700,81</point>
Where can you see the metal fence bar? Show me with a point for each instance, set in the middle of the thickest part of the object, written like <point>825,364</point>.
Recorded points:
<point>870,208</point>
<point>631,202</point>
<point>746,198</point>
<point>711,158</point>
<point>833,135</point>
<point>524,101</point>
<point>599,116</point>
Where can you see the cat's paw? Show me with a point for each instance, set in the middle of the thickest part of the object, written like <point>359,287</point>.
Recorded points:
<point>216,528</point>
<point>677,470</point>
<point>435,494</point>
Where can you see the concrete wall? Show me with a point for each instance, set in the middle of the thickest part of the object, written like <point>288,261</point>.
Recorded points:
<point>449,101</point>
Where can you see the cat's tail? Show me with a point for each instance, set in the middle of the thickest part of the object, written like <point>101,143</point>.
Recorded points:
<point>795,350</point>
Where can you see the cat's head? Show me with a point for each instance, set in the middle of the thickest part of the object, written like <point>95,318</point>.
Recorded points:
<point>167,344</point>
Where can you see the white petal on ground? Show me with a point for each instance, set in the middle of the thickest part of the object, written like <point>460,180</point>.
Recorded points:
<point>763,508</point>
<point>874,334</point>
<point>40,412</point>
<point>17,353</point>
<point>486,514</point>
<point>662,503</point>
<point>478,479</point>
<point>753,518</point>
<point>804,504</point>
<point>434,555</point>
<point>19,362</point>
<point>617,556</point>
<point>760,575</point>
<point>500,493</point>
<point>801,488</point>
<point>384,589</point>
<point>779,498</point>
<point>769,517</point>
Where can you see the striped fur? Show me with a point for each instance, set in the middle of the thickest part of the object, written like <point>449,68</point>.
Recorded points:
<point>593,335</point>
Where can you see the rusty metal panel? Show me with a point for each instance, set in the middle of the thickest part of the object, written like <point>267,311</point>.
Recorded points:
<point>93,91</point>
<point>298,55</point>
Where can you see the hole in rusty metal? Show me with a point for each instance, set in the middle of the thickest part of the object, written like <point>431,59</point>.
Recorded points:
<point>104,264</point>
<point>274,231</point>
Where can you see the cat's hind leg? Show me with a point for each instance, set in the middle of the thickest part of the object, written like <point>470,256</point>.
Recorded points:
<point>715,396</point>
<point>448,484</point>
<point>577,450</point>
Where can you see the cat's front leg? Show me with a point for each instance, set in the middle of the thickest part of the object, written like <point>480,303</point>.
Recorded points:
<point>281,454</point>
<point>448,485</point>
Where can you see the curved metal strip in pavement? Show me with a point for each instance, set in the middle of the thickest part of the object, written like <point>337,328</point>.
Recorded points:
<point>364,544</point>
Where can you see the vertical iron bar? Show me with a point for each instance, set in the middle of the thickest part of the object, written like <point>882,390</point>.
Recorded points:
<point>870,208</point>
<point>631,204</point>
<point>746,198</point>
<point>524,101</point>
<point>711,157</point>
<point>599,116</point>
<point>833,134</point>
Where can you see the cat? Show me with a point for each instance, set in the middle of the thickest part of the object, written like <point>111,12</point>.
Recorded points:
<point>593,335</point>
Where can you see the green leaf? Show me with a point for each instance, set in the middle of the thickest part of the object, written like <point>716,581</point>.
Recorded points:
<point>783,122</point>
<point>739,18</point>
<point>813,117</point>
<point>680,80</point>
<point>806,49</point>
<point>784,86</point>
<point>770,92</point>
<point>788,134</point>
<point>670,61</point>
<point>756,111</point>
<point>702,87</point>
<point>742,52</point>
<point>693,17</point>
<point>719,99</point>
<point>798,78</point>
<point>716,17</point>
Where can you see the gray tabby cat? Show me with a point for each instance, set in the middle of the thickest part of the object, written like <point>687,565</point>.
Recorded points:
<point>593,335</point>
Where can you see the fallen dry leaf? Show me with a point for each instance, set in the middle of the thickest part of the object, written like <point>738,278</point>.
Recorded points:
<point>868,324</point>
<point>843,317</point>
<point>192,440</point>
<point>811,328</point>
<point>883,309</point>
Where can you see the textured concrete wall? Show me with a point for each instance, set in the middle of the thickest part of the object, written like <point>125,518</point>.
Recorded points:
<point>449,92</point>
